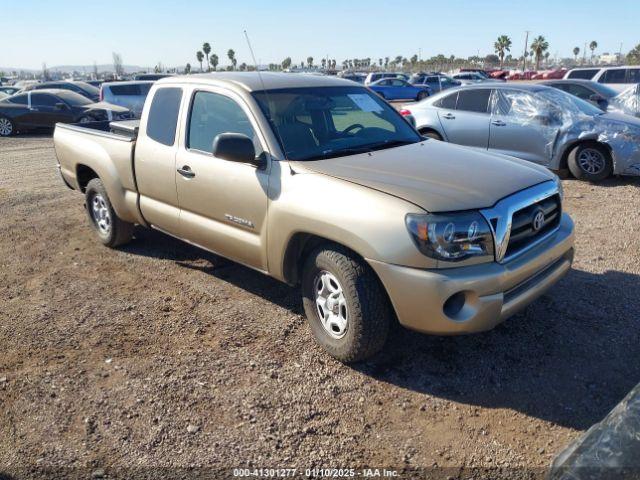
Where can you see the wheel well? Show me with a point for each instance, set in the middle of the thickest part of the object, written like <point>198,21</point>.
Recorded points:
<point>84,175</point>
<point>424,130</point>
<point>299,247</point>
<point>565,155</point>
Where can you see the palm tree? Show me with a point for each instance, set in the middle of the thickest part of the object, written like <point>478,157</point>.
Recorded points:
<point>187,68</point>
<point>576,52</point>
<point>633,57</point>
<point>538,47</point>
<point>592,46</point>
<point>206,48</point>
<point>286,63</point>
<point>200,57</point>
<point>310,61</point>
<point>546,58</point>
<point>214,61</point>
<point>232,57</point>
<point>502,45</point>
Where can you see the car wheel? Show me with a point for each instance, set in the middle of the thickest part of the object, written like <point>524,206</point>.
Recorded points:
<point>431,134</point>
<point>422,95</point>
<point>85,119</point>
<point>345,303</point>
<point>6,127</point>
<point>112,231</point>
<point>590,161</point>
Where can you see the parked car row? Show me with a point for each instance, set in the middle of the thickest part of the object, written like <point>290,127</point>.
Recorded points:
<point>42,105</point>
<point>534,122</point>
<point>36,109</point>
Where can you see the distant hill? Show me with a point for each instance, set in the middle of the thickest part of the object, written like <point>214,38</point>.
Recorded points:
<point>77,68</point>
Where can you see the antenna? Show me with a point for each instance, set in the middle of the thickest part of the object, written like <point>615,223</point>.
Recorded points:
<point>266,94</point>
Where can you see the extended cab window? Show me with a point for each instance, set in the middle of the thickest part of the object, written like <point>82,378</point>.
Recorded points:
<point>163,115</point>
<point>213,114</point>
<point>474,100</point>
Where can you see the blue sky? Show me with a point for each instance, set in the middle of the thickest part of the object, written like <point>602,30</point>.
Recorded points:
<point>145,32</point>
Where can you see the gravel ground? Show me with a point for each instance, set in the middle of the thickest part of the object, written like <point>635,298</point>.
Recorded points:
<point>162,356</point>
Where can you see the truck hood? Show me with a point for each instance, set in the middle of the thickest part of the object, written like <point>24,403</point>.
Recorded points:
<point>433,175</point>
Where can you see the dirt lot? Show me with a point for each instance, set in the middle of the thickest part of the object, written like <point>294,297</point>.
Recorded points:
<point>160,355</point>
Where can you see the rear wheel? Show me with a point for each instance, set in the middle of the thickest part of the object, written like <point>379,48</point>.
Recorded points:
<point>111,229</point>
<point>590,161</point>
<point>345,303</point>
<point>6,127</point>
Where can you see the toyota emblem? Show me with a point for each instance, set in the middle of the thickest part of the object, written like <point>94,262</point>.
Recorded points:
<point>538,221</point>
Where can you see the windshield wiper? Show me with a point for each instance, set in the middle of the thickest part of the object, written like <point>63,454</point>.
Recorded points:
<point>359,149</point>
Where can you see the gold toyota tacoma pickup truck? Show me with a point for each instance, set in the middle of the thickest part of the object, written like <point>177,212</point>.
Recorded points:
<point>318,182</point>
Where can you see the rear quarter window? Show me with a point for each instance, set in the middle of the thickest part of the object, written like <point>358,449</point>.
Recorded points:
<point>163,115</point>
<point>448,102</point>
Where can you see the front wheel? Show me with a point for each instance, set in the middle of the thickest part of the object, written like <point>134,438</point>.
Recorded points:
<point>112,231</point>
<point>6,127</point>
<point>345,303</point>
<point>590,161</point>
<point>422,96</point>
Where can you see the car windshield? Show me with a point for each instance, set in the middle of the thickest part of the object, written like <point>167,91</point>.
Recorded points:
<point>74,99</point>
<point>605,91</point>
<point>317,123</point>
<point>90,89</point>
<point>569,103</point>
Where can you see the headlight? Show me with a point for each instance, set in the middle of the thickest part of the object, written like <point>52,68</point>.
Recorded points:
<point>451,237</point>
<point>559,185</point>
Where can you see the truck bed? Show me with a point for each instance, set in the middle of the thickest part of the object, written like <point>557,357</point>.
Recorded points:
<point>105,148</point>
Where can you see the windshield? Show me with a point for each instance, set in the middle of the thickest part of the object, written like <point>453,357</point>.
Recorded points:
<point>316,123</point>
<point>90,89</point>
<point>569,103</point>
<point>72,98</point>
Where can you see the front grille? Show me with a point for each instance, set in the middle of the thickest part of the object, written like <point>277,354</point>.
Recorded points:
<point>523,232</point>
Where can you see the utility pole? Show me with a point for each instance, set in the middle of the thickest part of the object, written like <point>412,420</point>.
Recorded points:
<point>524,56</point>
<point>620,54</point>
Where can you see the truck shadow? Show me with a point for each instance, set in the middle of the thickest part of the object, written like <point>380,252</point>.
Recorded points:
<point>569,358</point>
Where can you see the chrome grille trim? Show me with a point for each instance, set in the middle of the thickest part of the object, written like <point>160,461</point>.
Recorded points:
<point>500,217</point>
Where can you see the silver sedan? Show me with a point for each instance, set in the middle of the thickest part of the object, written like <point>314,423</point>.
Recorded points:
<point>536,123</point>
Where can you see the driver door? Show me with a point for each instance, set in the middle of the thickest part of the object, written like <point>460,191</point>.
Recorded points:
<point>223,204</point>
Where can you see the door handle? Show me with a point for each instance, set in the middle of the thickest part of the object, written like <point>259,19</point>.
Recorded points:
<point>498,123</point>
<point>449,116</point>
<point>186,172</point>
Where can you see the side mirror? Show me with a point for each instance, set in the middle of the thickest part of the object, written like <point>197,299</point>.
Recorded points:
<point>236,147</point>
<point>599,101</point>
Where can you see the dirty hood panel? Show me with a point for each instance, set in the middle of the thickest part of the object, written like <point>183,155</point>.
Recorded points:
<point>434,175</point>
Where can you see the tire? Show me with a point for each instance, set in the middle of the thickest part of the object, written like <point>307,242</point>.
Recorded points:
<point>7,127</point>
<point>432,134</point>
<point>421,96</point>
<point>364,304</point>
<point>111,230</point>
<point>590,161</point>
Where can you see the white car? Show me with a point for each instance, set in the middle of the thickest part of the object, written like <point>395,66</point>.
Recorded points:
<point>618,78</point>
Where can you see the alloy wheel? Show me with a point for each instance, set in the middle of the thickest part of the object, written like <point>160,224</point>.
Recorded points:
<point>331,304</point>
<point>6,127</point>
<point>100,214</point>
<point>591,161</point>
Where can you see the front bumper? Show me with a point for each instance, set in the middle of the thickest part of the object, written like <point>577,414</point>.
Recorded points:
<point>476,298</point>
